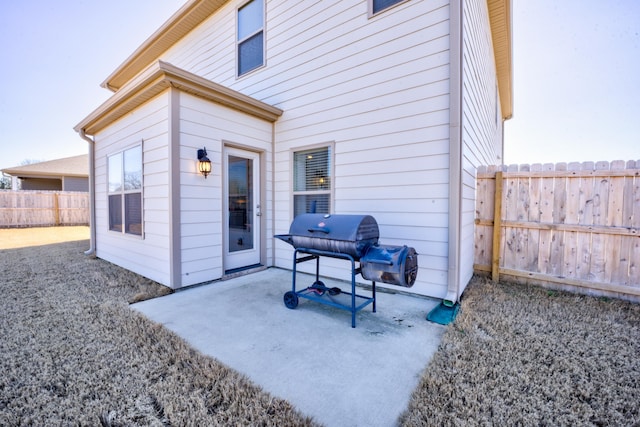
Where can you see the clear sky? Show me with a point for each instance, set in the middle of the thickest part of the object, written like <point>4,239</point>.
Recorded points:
<point>54,54</point>
<point>576,81</point>
<point>576,74</point>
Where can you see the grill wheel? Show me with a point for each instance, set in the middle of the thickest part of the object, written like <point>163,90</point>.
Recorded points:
<point>290,300</point>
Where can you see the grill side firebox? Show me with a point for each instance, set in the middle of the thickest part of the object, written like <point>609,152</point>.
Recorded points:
<point>353,238</point>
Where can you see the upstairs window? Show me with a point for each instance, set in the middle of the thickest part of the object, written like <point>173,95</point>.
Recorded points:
<point>380,5</point>
<point>250,36</point>
<point>312,181</point>
<point>125,191</point>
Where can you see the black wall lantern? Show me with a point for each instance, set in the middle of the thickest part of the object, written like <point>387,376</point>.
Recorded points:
<point>204,164</point>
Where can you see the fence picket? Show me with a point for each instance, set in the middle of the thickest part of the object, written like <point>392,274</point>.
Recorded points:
<point>509,208</point>
<point>522,214</point>
<point>43,208</point>
<point>570,256</point>
<point>599,246</point>
<point>634,258</point>
<point>624,275</point>
<point>617,265</point>
<point>556,261</point>
<point>484,209</point>
<point>533,235</point>
<point>546,216</point>
<point>578,223</point>
<point>585,217</point>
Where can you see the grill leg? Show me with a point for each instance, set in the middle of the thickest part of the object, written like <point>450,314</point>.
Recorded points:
<point>353,293</point>
<point>373,291</point>
<point>295,263</point>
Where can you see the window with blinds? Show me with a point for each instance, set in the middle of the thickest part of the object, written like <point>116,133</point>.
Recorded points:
<point>312,181</point>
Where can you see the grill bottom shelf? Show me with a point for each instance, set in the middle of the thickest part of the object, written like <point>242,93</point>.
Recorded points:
<point>334,297</point>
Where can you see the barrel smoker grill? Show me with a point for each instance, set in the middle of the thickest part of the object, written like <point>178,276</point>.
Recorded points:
<point>353,238</point>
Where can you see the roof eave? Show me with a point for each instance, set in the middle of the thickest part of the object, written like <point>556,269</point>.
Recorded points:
<point>161,76</point>
<point>177,26</point>
<point>500,20</point>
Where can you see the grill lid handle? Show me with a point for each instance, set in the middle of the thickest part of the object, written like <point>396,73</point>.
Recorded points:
<point>320,229</point>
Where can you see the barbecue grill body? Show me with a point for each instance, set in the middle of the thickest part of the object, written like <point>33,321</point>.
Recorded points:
<point>356,236</point>
<point>395,265</point>
<point>345,234</point>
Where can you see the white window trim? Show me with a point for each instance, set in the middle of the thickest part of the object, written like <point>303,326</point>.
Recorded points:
<point>332,164</point>
<point>123,192</point>
<point>263,29</point>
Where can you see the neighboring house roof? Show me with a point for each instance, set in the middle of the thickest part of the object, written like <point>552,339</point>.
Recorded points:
<point>160,76</point>
<point>68,166</point>
<point>194,12</point>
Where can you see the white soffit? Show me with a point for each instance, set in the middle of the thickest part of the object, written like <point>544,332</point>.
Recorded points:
<point>500,20</point>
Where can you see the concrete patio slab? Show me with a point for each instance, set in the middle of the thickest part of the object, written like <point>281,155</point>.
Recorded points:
<point>310,356</point>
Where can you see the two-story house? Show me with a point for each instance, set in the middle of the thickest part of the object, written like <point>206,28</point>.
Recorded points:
<point>380,107</point>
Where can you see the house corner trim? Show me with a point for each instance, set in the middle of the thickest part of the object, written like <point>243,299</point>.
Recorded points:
<point>455,150</point>
<point>175,237</point>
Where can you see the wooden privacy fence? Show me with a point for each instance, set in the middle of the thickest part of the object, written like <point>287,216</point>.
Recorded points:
<point>573,225</point>
<point>43,208</point>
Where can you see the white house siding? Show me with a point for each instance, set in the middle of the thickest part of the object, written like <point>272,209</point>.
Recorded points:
<point>481,121</point>
<point>210,125</point>
<point>376,87</point>
<point>379,89</point>
<point>148,256</point>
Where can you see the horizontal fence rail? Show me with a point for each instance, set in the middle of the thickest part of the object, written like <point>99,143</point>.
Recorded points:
<point>43,208</point>
<point>574,225</point>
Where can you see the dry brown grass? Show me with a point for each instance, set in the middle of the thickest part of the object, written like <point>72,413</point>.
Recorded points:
<point>74,353</point>
<point>523,355</point>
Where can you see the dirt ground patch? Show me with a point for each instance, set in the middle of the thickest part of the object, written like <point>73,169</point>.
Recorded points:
<point>13,238</point>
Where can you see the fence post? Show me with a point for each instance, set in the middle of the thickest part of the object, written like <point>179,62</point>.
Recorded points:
<point>497,228</point>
